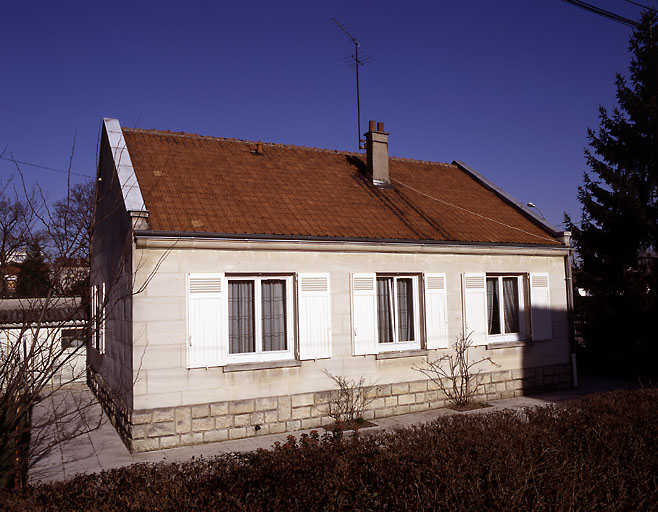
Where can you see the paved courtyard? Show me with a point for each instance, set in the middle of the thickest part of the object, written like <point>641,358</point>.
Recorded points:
<point>102,448</point>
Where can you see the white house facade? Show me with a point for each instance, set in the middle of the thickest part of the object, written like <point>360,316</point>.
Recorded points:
<point>230,277</point>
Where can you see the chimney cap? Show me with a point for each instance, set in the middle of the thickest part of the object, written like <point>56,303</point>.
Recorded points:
<point>376,126</point>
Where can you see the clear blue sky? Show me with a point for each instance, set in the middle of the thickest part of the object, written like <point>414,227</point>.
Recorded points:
<point>509,87</point>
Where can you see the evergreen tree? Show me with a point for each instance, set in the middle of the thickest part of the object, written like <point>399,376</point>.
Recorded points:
<point>33,280</point>
<point>618,236</point>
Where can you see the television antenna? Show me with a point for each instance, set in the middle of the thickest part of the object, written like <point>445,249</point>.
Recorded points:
<point>356,62</point>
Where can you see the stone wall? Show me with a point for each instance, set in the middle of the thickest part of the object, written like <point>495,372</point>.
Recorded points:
<point>207,423</point>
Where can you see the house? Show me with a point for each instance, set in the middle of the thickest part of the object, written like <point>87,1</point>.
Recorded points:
<point>228,276</point>
<point>50,332</point>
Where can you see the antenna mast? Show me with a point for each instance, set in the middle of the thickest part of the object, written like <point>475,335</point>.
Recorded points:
<point>357,63</point>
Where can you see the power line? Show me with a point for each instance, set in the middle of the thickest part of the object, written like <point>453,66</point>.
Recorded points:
<point>602,12</point>
<point>642,5</point>
<point>46,168</point>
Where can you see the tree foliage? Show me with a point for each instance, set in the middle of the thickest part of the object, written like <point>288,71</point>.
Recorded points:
<point>33,279</point>
<point>617,240</point>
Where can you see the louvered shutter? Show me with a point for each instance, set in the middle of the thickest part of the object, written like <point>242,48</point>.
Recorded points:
<point>364,313</point>
<point>475,307</point>
<point>314,316</point>
<point>207,333</point>
<point>436,311</point>
<point>540,307</point>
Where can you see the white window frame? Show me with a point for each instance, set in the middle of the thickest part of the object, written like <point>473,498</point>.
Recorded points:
<point>397,345</point>
<point>259,355</point>
<point>98,317</point>
<point>522,289</point>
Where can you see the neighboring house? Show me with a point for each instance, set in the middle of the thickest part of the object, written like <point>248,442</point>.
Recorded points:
<point>228,276</point>
<point>9,274</point>
<point>50,332</point>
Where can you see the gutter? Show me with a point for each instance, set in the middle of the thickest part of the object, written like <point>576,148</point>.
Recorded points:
<point>570,310</point>
<point>171,239</point>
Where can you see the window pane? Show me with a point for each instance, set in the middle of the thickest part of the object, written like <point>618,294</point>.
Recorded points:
<point>274,315</point>
<point>405,310</point>
<point>241,317</point>
<point>493,306</point>
<point>511,303</point>
<point>385,309</point>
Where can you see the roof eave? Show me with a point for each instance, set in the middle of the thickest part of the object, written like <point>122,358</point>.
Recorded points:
<point>533,216</point>
<point>326,239</point>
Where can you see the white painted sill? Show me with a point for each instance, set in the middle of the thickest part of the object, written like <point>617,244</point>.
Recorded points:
<point>401,353</point>
<point>264,365</point>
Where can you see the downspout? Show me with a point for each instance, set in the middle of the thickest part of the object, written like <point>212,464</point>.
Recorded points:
<point>566,236</point>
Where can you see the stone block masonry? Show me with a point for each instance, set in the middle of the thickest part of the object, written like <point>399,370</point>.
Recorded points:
<point>156,429</point>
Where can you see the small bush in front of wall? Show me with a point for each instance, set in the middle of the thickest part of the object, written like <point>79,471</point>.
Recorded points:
<point>598,453</point>
<point>455,374</point>
<point>347,404</point>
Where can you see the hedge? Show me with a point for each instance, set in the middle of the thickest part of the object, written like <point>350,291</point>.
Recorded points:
<point>597,453</point>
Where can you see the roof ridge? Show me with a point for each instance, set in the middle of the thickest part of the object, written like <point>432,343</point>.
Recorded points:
<point>241,141</point>
<point>272,144</point>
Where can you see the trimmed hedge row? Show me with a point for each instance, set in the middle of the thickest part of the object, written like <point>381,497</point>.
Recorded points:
<point>597,453</point>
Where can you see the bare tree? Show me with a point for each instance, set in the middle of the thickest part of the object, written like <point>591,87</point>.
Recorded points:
<point>16,228</point>
<point>42,336</point>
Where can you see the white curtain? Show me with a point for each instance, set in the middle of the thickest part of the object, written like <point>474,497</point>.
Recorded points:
<point>241,317</point>
<point>274,315</point>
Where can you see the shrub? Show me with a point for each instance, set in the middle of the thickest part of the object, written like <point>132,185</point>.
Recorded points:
<point>349,401</point>
<point>598,453</point>
<point>455,374</point>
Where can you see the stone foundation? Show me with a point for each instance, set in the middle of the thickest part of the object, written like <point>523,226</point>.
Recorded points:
<point>117,411</point>
<point>207,423</point>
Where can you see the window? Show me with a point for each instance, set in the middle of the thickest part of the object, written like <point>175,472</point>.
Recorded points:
<point>396,309</point>
<point>259,318</point>
<point>98,316</point>
<point>73,338</point>
<point>251,318</point>
<point>387,314</point>
<point>505,307</point>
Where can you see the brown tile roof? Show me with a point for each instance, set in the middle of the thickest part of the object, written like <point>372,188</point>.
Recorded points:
<point>203,184</point>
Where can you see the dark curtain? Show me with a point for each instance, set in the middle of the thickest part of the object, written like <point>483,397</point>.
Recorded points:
<point>274,315</point>
<point>493,306</point>
<point>511,303</point>
<point>385,309</point>
<point>241,317</point>
<point>405,310</point>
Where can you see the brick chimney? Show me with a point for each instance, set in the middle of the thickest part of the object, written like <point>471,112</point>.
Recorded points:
<point>377,153</point>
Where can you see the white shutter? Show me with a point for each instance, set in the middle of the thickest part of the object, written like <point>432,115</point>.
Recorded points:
<point>540,307</point>
<point>314,316</point>
<point>364,313</point>
<point>436,311</point>
<point>207,320</point>
<point>474,288</point>
<point>94,315</point>
<point>103,311</point>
